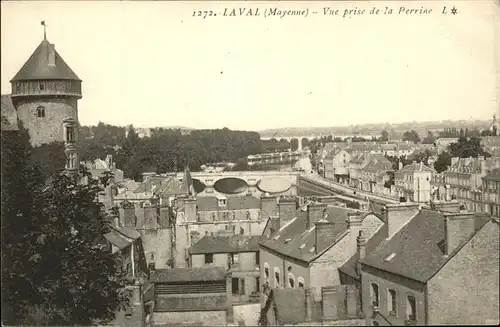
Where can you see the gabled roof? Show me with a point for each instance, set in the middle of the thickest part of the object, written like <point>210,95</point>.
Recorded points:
<point>183,275</point>
<point>416,166</point>
<point>378,237</point>
<point>296,242</point>
<point>415,249</point>
<point>227,244</point>
<point>211,203</point>
<point>37,66</point>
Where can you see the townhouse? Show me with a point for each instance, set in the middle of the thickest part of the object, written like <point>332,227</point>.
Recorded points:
<point>237,253</point>
<point>336,165</point>
<point>375,173</point>
<point>491,193</point>
<point>413,183</point>
<point>307,250</point>
<point>463,180</point>
<point>421,273</point>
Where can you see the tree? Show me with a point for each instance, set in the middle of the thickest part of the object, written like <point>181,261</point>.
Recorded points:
<point>304,142</point>
<point>442,162</point>
<point>55,268</point>
<point>384,136</point>
<point>294,144</point>
<point>411,136</point>
<point>465,148</point>
<point>429,139</point>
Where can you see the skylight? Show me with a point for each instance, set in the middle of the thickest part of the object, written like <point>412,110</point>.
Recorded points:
<point>302,246</point>
<point>312,249</point>
<point>277,237</point>
<point>287,240</point>
<point>389,258</point>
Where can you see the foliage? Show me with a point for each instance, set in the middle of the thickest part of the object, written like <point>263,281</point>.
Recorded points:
<point>390,182</point>
<point>304,142</point>
<point>384,136</point>
<point>294,144</point>
<point>429,139</point>
<point>467,147</point>
<point>443,162</point>
<point>411,136</point>
<point>56,269</point>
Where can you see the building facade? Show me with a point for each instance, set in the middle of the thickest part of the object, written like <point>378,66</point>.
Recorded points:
<point>413,182</point>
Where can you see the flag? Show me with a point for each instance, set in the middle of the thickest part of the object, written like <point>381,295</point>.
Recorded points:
<point>43,22</point>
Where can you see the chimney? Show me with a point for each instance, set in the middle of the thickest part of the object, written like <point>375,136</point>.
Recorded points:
<point>315,212</point>
<point>309,304</point>
<point>361,249</point>
<point>329,303</point>
<point>447,206</point>
<point>400,165</point>
<point>190,209</point>
<point>129,218</point>
<point>324,234</point>
<point>51,55</point>
<point>458,227</point>
<point>274,226</point>
<point>399,215</point>
<point>268,206</point>
<point>354,222</point>
<point>287,209</point>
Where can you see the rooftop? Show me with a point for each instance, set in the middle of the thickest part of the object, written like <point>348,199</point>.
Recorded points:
<point>183,275</point>
<point>226,244</point>
<point>416,248</point>
<point>493,175</point>
<point>293,240</point>
<point>37,66</point>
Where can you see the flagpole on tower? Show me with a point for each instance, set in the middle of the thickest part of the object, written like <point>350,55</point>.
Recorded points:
<point>44,30</point>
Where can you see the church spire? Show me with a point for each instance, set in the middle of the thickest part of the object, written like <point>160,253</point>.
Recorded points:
<point>44,30</point>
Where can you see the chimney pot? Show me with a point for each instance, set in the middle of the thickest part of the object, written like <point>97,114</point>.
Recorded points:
<point>459,226</point>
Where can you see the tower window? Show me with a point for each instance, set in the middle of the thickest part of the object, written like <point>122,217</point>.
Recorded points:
<point>70,134</point>
<point>40,112</point>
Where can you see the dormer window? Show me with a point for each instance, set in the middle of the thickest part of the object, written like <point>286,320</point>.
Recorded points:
<point>40,112</point>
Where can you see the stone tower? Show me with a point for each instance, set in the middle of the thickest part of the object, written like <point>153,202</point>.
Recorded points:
<point>45,92</point>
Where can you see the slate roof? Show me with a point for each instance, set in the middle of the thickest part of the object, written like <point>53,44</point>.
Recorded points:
<point>378,163</point>
<point>211,203</point>
<point>117,239</point>
<point>290,304</point>
<point>37,66</point>
<point>349,267</point>
<point>465,166</point>
<point>414,166</point>
<point>493,175</point>
<point>183,275</point>
<point>169,186</point>
<point>227,244</point>
<point>418,255</point>
<point>9,114</point>
<point>301,241</point>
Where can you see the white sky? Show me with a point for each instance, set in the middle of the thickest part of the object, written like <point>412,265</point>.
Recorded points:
<point>153,64</point>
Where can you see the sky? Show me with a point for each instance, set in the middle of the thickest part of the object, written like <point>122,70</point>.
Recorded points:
<point>153,64</point>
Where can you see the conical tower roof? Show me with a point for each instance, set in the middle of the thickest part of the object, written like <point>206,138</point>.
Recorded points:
<point>38,66</point>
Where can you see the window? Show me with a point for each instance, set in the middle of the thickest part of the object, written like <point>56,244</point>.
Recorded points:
<point>411,308</point>
<point>242,231</point>
<point>392,302</point>
<point>40,112</point>
<point>70,134</point>
<point>375,323</point>
<point>266,270</point>
<point>300,282</point>
<point>291,280</point>
<point>236,285</point>
<point>235,258</point>
<point>257,258</point>
<point>374,294</point>
<point>18,88</point>
<point>42,86</point>
<point>276,277</point>
<point>257,284</point>
<point>209,258</point>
